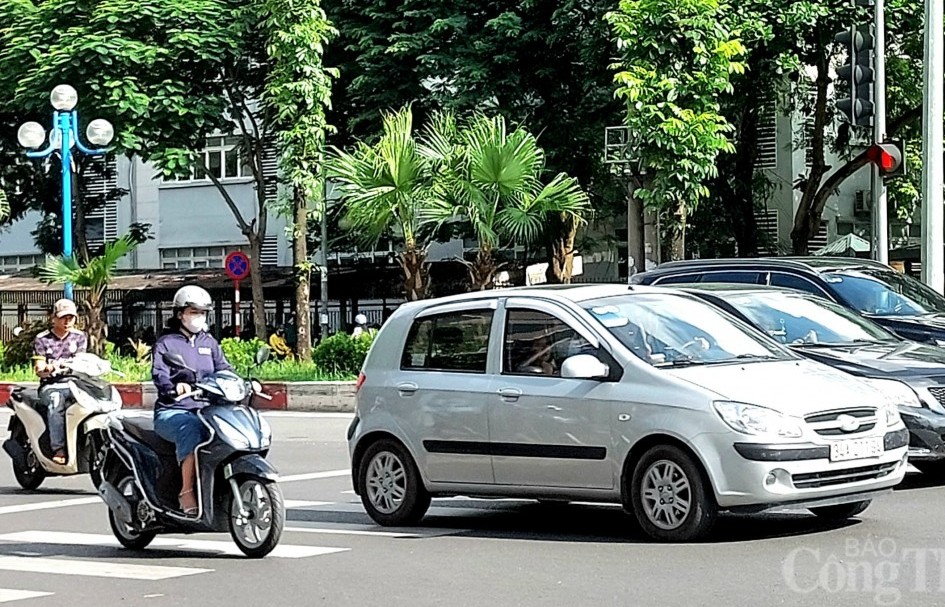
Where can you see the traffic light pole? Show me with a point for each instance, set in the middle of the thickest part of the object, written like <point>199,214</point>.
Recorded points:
<point>880,211</point>
<point>933,113</point>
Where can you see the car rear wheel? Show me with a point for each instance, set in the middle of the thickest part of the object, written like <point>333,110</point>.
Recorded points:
<point>671,497</point>
<point>390,486</point>
<point>841,511</point>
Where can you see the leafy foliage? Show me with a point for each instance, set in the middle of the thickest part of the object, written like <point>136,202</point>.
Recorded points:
<point>677,59</point>
<point>241,354</point>
<point>19,349</point>
<point>343,353</point>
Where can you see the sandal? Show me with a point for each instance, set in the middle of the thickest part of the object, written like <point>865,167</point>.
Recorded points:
<point>188,510</point>
<point>59,457</point>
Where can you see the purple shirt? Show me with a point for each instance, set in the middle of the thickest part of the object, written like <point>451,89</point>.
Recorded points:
<point>48,346</point>
<point>200,352</point>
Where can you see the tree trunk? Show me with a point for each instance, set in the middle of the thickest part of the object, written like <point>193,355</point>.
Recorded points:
<point>677,246</point>
<point>96,328</point>
<point>416,274</point>
<point>807,219</point>
<point>561,264</point>
<point>255,277</point>
<point>302,278</point>
<point>481,270</point>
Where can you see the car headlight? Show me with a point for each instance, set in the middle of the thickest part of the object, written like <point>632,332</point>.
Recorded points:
<point>896,392</point>
<point>232,435</point>
<point>759,421</point>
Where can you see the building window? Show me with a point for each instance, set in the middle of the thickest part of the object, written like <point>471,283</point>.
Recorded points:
<point>15,263</point>
<point>223,159</point>
<point>185,258</point>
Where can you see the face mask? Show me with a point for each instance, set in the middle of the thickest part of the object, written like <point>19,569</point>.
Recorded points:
<point>195,324</point>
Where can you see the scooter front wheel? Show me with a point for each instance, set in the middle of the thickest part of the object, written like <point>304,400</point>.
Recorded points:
<point>258,528</point>
<point>127,535</point>
<point>33,475</point>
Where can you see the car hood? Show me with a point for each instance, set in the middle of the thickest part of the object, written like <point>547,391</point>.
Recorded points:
<point>900,360</point>
<point>794,387</point>
<point>927,325</point>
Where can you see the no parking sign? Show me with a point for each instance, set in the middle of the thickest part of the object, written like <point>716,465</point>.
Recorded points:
<point>236,265</point>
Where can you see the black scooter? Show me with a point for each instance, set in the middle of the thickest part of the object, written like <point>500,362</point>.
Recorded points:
<point>236,485</point>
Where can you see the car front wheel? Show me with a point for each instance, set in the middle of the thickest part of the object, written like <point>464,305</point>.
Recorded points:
<point>390,486</point>
<point>671,497</point>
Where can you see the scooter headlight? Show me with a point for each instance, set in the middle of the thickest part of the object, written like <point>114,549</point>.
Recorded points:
<point>265,431</point>
<point>233,436</point>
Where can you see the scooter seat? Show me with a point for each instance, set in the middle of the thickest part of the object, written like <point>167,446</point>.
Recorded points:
<point>142,428</point>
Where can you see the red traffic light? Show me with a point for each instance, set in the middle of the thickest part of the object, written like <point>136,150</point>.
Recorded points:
<point>888,157</point>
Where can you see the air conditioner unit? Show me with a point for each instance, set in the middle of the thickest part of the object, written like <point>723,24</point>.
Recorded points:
<point>862,202</point>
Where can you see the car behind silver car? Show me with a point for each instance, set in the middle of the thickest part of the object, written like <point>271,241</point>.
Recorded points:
<point>643,396</point>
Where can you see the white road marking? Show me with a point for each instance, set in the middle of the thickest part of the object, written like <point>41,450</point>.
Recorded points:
<point>304,504</point>
<point>79,501</point>
<point>310,476</point>
<point>348,530</point>
<point>8,596</point>
<point>224,547</point>
<point>95,568</point>
<point>308,414</point>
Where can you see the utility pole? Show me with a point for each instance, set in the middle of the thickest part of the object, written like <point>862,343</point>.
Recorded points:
<point>933,113</point>
<point>880,206</point>
<point>323,262</point>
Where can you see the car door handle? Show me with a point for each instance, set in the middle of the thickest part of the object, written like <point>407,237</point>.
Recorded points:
<point>510,393</point>
<point>407,388</point>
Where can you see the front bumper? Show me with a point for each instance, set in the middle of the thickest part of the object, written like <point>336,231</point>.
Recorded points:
<point>926,433</point>
<point>753,476</point>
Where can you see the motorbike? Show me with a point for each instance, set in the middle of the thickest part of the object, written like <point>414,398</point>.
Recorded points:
<point>92,400</point>
<point>237,488</point>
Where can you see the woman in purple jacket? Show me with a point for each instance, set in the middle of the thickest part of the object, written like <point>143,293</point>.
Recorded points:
<point>175,417</point>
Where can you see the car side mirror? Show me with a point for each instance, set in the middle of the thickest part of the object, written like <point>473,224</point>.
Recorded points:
<point>584,366</point>
<point>262,355</point>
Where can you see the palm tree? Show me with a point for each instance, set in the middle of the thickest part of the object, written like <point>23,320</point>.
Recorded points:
<point>386,187</point>
<point>93,277</point>
<point>490,179</point>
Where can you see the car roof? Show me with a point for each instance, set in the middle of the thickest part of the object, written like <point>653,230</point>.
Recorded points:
<point>811,264</point>
<point>728,288</point>
<point>571,292</point>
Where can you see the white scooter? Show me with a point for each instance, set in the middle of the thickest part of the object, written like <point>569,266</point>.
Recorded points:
<point>92,398</point>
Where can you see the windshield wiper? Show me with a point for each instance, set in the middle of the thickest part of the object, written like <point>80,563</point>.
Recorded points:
<point>679,362</point>
<point>756,357</point>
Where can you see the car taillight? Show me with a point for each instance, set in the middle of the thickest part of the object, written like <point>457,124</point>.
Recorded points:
<point>361,378</point>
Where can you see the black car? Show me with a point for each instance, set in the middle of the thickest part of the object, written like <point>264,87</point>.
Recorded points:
<point>911,372</point>
<point>895,300</point>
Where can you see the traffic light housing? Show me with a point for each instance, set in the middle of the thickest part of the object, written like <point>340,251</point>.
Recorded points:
<point>857,73</point>
<point>890,157</point>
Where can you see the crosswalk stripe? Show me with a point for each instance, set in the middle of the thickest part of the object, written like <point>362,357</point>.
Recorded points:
<point>8,596</point>
<point>304,504</point>
<point>310,476</point>
<point>95,568</point>
<point>228,547</point>
<point>79,501</point>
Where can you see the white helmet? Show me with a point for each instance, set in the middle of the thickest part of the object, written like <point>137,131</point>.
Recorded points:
<point>192,296</point>
<point>360,319</point>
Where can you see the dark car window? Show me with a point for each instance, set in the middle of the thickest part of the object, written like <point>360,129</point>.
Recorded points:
<point>537,343</point>
<point>735,276</point>
<point>455,341</point>
<point>790,281</point>
<point>884,292</point>
<point>677,279</point>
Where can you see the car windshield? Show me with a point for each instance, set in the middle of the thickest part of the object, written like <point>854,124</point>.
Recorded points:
<point>885,292</point>
<point>667,330</point>
<point>801,319</point>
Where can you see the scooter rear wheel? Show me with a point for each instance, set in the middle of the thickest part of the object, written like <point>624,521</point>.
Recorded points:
<point>33,475</point>
<point>124,533</point>
<point>257,534</point>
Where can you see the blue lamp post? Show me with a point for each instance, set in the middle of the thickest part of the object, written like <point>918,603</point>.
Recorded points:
<point>63,137</point>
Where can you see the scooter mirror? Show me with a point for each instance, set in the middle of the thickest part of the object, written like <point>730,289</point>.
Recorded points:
<point>262,355</point>
<point>176,360</point>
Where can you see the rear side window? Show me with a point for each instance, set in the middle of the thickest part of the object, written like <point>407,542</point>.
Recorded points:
<point>799,283</point>
<point>456,341</point>
<point>743,277</point>
<point>678,279</point>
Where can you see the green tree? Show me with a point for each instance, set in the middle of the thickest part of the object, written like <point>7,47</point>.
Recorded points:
<point>298,92</point>
<point>387,187</point>
<point>93,277</point>
<point>488,177</point>
<point>4,207</point>
<point>676,61</point>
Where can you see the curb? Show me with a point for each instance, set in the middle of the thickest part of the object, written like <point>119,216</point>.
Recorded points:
<point>310,396</point>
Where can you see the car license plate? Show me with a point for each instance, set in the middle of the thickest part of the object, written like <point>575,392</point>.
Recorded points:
<point>856,449</point>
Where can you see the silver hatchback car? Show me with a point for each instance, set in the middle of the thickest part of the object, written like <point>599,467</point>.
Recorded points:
<point>641,396</point>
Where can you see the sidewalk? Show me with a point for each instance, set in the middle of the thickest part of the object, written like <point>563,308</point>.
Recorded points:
<point>320,396</point>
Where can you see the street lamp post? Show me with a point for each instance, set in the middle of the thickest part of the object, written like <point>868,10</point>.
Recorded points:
<point>65,136</point>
